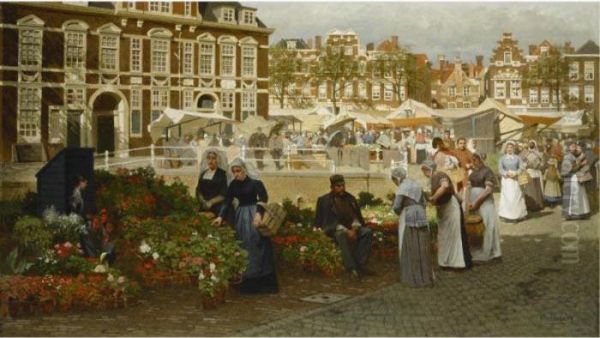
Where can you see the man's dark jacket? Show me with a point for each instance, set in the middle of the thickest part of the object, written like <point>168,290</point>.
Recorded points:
<point>326,217</point>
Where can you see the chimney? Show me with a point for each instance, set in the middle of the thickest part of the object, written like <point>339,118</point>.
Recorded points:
<point>479,59</point>
<point>395,41</point>
<point>506,36</point>
<point>318,42</point>
<point>442,61</point>
<point>370,47</point>
<point>532,49</point>
<point>309,43</point>
<point>457,60</point>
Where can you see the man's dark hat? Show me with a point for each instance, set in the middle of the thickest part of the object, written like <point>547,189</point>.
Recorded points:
<point>336,179</point>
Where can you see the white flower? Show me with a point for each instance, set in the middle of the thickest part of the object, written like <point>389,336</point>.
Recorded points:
<point>237,253</point>
<point>303,248</point>
<point>47,260</point>
<point>121,279</point>
<point>209,236</point>
<point>299,225</point>
<point>144,247</point>
<point>100,269</point>
<point>195,233</point>
<point>380,239</point>
<point>201,275</point>
<point>68,245</point>
<point>212,267</point>
<point>315,229</point>
<point>214,278</point>
<point>110,278</point>
<point>155,255</point>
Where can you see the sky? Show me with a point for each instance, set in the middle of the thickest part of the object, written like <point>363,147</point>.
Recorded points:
<point>453,29</point>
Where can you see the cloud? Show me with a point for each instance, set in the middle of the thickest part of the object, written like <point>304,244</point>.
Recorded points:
<point>454,29</point>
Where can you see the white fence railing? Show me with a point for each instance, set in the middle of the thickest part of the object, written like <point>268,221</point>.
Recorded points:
<point>290,158</point>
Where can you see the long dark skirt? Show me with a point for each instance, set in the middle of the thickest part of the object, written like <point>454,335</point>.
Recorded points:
<point>260,275</point>
<point>415,260</point>
<point>421,155</point>
<point>534,196</point>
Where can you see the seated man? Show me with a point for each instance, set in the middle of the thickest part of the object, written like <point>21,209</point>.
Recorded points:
<point>339,216</point>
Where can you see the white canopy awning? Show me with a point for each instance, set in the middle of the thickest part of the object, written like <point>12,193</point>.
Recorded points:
<point>189,121</point>
<point>338,121</point>
<point>251,124</point>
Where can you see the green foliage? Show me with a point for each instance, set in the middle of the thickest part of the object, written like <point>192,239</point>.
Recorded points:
<point>10,212</point>
<point>13,265</point>
<point>65,228</point>
<point>32,236</point>
<point>282,66</point>
<point>368,199</point>
<point>297,215</point>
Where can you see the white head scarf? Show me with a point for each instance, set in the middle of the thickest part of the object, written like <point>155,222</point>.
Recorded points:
<point>246,166</point>
<point>221,161</point>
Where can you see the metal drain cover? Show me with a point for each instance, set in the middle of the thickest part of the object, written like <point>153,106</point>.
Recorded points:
<point>325,298</point>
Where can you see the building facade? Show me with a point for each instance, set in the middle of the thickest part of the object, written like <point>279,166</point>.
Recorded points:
<point>505,74</point>
<point>457,85</point>
<point>583,86</point>
<point>372,87</point>
<point>96,75</point>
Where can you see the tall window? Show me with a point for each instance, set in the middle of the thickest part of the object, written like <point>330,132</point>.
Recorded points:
<point>348,50</point>
<point>188,58</point>
<point>160,6</point>
<point>227,60</point>
<point>362,90</point>
<point>545,96</point>
<point>323,91</point>
<point>466,104</point>
<point>452,91</point>
<point>500,89</point>
<point>206,58</point>
<point>136,55</point>
<point>466,91</point>
<point>573,93</point>
<point>306,89</point>
<point>507,58</point>
<point>533,95</point>
<point>349,89</point>
<point>249,61</point>
<point>388,92</point>
<point>30,47</point>
<point>376,92</point>
<point>136,112</point>
<point>160,56</point>
<point>291,89</point>
<point>228,15</point>
<point>588,70</point>
<point>109,52</point>
<point>187,8</point>
<point>75,96</point>
<point>248,103</point>
<point>574,71</point>
<point>228,100</point>
<point>75,50</point>
<point>588,92</point>
<point>515,88</point>
<point>54,126</point>
<point>160,101</point>
<point>188,99</point>
<point>29,118</point>
<point>248,17</point>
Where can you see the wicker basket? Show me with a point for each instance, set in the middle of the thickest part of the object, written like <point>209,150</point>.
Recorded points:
<point>474,227</point>
<point>523,178</point>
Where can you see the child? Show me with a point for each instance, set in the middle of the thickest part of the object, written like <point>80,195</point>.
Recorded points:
<point>552,189</point>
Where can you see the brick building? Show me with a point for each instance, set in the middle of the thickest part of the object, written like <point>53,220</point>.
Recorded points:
<point>371,86</point>
<point>458,84</point>
<point>97,74</point>
<point>583,86</point>
<point>505,73</point>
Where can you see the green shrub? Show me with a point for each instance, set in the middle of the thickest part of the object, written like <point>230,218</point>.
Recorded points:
<point>10,212</point>
<point>296,215</point>
<point>32,236</point>
<point>368,199</point>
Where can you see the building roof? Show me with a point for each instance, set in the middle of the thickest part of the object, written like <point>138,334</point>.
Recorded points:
<point>421,59</point>
<point>206,10</point>
<point>300,43</point>
<point>589,47</point>
<point>101,4</point>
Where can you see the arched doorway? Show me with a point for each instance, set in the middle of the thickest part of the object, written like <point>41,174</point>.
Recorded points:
<point>108,121</point>
<point>207,102</point>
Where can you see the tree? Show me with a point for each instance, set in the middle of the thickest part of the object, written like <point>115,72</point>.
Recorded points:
<point>400,69</point>
<point>282,66</point>
<point>549,71</point>
<point>336,68</point>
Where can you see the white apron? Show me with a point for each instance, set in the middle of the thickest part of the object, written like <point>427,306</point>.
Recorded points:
<point>512,203</point>
<point>450,249</point>
<point>578,201</point>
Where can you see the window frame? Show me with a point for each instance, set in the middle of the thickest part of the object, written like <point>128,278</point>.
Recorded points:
<point>33,112</point>
<point>591,67</point>
<point>136,105</point>
<point>518,94</point>
<point>115,49</point>
<point>589,94</point>
<point>154,44</point>
<point>204,53</point>
<point>533,95</point>
<point>228,100</point>
<point>497,87</point>
<point>233,59</point>
<point>376,88</point>
<point>188,58</point>
<point>248,103</point>
<point>253,57</point>
<point>136,50</point>
<point>35,51</point>
<point>81,64</point>
<point>157,96</point>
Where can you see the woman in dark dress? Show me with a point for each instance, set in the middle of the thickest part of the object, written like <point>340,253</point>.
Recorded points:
<point>212,182</point>
<point>260,275</point>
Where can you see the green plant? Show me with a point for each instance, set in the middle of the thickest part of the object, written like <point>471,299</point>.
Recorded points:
<point>10,211</point>
<point>368,199</point>
<point>32,236</point>
<point>65,228</point>
<point>297,215</point>
<point>14,265</point>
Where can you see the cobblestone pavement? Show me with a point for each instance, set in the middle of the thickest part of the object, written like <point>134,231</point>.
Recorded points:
<point>535,291</point>
<point>546,285</point>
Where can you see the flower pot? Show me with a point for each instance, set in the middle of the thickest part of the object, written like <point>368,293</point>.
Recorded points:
<point>209,303</point>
